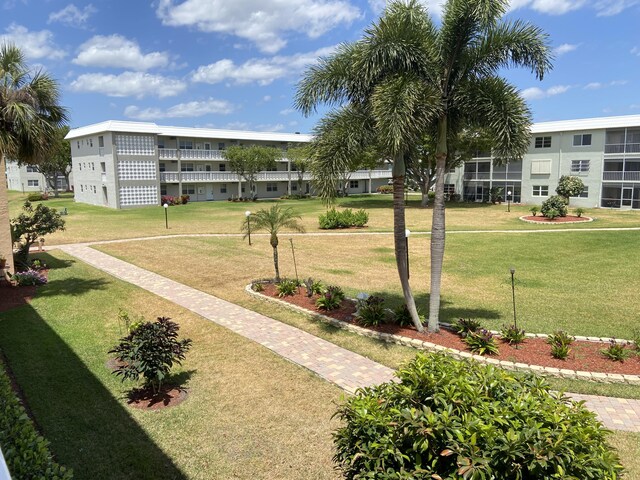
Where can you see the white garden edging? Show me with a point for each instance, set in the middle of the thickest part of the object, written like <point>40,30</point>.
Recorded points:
<point>524,219</point>
<point>422,345</point>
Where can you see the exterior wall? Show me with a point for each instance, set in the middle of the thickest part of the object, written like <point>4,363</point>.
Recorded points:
<point>92,185</point>
<point>20,178</point>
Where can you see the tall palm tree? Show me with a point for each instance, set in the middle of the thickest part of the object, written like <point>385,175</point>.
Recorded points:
<point>29,116</point>
<point>273,220</point>
<point>415,78</point>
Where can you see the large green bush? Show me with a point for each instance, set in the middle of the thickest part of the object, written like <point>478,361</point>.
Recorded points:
<point>343,219</point>
<point>26,453</point>
<point>569,187</point>
<point>451,419</point>
<point>555,206</point>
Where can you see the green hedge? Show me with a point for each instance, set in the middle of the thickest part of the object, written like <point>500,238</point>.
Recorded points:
<point>451,419</point>
<point>343,219</point>
<point>26,453</point>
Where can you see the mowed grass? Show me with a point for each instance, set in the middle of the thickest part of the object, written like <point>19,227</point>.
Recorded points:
<point>250,414</point>
<point>91,223</point>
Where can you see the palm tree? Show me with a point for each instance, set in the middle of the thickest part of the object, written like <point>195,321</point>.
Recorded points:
<point>414,78</point>
<point>273,220</point>
<point>29,117</point>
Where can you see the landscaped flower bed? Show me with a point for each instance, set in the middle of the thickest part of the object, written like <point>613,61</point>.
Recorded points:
<point>567,219</point>
<point>583,355</point>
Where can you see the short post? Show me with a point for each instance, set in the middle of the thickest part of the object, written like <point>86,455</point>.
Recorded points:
<point>407,232</point>
<point>248,215</point>
<point>513,293</point>
<point>509,201</point>
<point>295,265</point>
<point>166,216</point>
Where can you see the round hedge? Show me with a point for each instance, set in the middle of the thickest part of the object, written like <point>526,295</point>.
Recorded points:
<point>451,419</point>
<point>557,203</point>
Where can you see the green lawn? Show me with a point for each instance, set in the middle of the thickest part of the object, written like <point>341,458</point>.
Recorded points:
<point>87,223</point>
<point>250,414</point>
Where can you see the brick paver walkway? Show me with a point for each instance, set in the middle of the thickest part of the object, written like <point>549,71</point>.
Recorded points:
<point>346,369</point>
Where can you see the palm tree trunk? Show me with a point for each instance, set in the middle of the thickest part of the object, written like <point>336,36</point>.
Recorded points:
<point>438,228</point>
<point>275,263</point>
<point>6,245</point>
<point>400,244</point>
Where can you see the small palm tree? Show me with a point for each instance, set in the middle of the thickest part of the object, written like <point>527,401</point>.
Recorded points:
<point>273,220</point>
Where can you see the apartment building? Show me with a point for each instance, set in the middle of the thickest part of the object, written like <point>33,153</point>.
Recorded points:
<point>27,178</point>
<point>122,164</point>
<point>604,152</point>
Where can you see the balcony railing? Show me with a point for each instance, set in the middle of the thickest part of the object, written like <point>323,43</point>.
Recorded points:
<point>280,176</point>
<point>622,148</point>
<point>621,176</point>
<point>507,176</point>
<point>477,176</point>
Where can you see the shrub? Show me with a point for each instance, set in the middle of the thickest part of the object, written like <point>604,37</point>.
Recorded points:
<point>534,210</point>
<point>37,197</point>
<point>184,199</point>
<point>451,419</point>
<point>431,195</point>
<point>465,326</point>
<point>150,351</point>
<point>556,203</point>
<point>616,351</point>
<point>29,277</point>
<point>360,218</point>
<point>513,334</point>
<point>171,201</point>
<point>402,318</point>
<point>371,311</point>
<point>569,187</point>
<point>286,287</point>
<point>560,337</point>
<point>579,212</point>
<point>559,351</point>
<point>257,287</point>
<point>313,287</point>
<point>31,226</point>
<point>333,219</point>
<point>385,189</point>
<point>27,454</point>
<point>482,342</point>
<point>330,299</point>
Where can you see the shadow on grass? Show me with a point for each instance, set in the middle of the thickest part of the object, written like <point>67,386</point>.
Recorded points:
<point>89,429</point>
<point>414,203</point>
<point>72,286</point>
<point>52,262</point>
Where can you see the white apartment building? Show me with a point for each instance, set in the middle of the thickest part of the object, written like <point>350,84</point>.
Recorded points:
<point>27,178</point>
<point>604,152</point>
<point>122,164</point>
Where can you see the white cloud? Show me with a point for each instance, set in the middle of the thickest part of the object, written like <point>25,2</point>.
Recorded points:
<point>266,98</point>
<point>635,51</point>
<point>598,85</point>
<point>564,48</point>
<point>257,70</point>
<point>33,44</point>
<point>237,126</point>
<point>128,84</point>
<point>118,52</point>
<point>269,127</point>
<point>287,111</point>
<point>593,86</point>
<point>181,110</point>
<point>560,7</point>
<point>608,8</point>
<point>72,16</point>
<point>535,93</point>
<point>263,22</point>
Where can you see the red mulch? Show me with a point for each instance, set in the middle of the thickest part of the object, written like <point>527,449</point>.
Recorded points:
<point>584,356</point>
<point>12,297</point>
<point>145,399</point>
<point>568,218</point>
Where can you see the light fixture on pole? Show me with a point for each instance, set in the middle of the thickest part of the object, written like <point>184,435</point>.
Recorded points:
<point>248,215</point>
<point>407,232</point>
<point>509,201</point>
<point>166,216</point>
<point>513,293</point>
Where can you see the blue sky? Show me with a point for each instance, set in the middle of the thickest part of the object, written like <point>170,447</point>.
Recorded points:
<point>234,63</point>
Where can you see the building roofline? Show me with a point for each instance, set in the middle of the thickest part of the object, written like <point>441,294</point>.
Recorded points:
<point>596,123</point>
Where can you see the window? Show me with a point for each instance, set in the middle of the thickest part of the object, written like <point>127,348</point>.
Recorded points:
<point>223,188</point>
<point>160,142</point>
<point>188,189</point>
<point>584,193</point>
<point>94,189</point>
<point>579,166</point>
<point>32,169</point>
<point>103,167</point>
<point>582,140</point>
<point>82,188</point>
<point>163,190</point>
<point>33,183</point>
<point>91,142</point>
<point>294,187</point>
<point>541,190</point>
<point>272,187</point>
<point>78,142</point>
<point>543,142</point>
<point>354,184</point>
<point>186,167</point>
<point>222,167</point>
<point>93,166</point>
<point>449,189</point>
<point>220,145</point>
<point>186,145</point>
<point>101,141</point>
<point>163,167</point>
<point>541,167</point>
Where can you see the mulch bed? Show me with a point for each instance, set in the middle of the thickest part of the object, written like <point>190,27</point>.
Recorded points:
<point>145,399</point>
<point>584,356</point>
<point>12,297</point>
<point>568,218</point>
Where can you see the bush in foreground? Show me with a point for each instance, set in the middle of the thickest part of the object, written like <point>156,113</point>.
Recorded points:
<point>555,206</point>
<point>343,219</point>
<point>26,453</point>
<point>451,419</point>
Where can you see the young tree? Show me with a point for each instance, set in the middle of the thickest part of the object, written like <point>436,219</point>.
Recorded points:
<point>414,77</point>
<point>32,224</point>
<point>273,220</point>
<point>58,161</point>
<point>247,162</point>
<point>29,116</point>
<point>569,187</point>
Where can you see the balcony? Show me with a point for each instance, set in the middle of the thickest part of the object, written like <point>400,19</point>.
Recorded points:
<point>477,176</point>
<point>280,176</point>
<point>621,176</point>
<point>622,148</point>
<point>175,154</point>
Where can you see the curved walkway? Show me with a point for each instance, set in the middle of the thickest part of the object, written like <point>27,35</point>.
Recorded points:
<point>346,369</point>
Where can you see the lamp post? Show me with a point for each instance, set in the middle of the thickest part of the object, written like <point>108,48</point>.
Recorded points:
<point>166,216</point>
<point>248,215</point>
<point>509,201</point>
<point>407,232</point>
<point>513,293</point>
